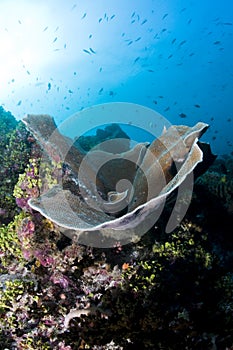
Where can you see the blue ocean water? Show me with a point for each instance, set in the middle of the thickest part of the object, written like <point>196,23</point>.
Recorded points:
<point>173,56</point>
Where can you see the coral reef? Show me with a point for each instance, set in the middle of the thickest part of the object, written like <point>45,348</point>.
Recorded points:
<point>15,146</point>
<point>217,183</point>
<point>150,173</point>
<point>167,291</point>
<point>10,248</point>
<point>113,131</point>
<point>176,297</point>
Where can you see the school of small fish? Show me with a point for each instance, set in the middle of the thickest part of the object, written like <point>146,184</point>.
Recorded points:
<point>179,51</point>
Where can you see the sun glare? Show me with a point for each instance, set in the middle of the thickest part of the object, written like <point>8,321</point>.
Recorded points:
<point>23,44</point>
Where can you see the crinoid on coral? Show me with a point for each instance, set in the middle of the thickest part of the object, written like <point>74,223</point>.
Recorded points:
<point>90,206</point>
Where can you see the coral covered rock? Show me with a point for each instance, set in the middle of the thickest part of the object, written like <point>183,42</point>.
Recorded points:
<point>127,212</point>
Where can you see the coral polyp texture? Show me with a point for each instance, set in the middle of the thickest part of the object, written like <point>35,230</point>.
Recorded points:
<point>165,291</point>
